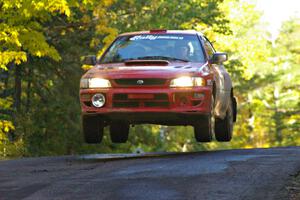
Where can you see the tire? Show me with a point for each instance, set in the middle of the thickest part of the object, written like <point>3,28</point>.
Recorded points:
<point>92,129</point>
<point>119,132</point>
<point>224,127</point>
<point>204,129</point>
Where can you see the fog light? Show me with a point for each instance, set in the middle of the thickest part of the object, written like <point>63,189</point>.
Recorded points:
<point>98,100</point>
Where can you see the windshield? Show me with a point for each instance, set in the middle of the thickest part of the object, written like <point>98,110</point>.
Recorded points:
<point>171,47</point>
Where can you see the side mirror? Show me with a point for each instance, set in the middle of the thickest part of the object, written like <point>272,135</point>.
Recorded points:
<point>218,58</point>
<point>89,60</point>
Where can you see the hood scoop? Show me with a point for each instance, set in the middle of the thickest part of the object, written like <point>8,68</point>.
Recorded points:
<point>146,62</point>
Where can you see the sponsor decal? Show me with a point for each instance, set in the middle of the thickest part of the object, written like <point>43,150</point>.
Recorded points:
<point>156,37</point>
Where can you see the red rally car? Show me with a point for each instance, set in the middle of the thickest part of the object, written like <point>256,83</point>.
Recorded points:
<point>158,77</point>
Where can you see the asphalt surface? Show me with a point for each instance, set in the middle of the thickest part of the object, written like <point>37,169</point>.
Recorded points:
<point>234,174</point>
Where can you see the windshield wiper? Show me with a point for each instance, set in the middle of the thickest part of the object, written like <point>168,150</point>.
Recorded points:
<point>161,58</point>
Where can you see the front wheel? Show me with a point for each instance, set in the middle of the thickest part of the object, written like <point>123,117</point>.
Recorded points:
<point>224,127</point>
<point>204,129</point>
<point>92,128</point>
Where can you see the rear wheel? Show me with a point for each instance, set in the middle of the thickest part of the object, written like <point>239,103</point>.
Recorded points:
<point>204,129</point>
<point>119,132</point>
<point>224,127</point>
<point>92,129</point>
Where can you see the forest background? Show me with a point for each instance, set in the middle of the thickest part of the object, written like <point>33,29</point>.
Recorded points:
<point>42,41</point>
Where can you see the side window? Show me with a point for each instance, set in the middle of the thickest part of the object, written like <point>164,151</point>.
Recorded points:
<point>208,48</point>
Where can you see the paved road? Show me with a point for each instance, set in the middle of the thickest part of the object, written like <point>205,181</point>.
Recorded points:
<point>234,174</point>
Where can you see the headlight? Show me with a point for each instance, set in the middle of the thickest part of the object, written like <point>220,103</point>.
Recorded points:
<point>186,81</point>
<point>94,83</point>
<point>99,83</point>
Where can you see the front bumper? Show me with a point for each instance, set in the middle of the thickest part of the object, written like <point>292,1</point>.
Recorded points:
<point>174,101</point>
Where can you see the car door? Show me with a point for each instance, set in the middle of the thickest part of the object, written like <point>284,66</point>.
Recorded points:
<point>222,82</point>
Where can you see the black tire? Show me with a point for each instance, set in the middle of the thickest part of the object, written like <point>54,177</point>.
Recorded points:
<point>224,127</point>
<point>204,129</point>
<point>92,129</point>
<point>119,132</point>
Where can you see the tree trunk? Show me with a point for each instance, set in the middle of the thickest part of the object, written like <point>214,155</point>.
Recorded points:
<point>18,89</point>
<point>277,118</point>
<point>28,90</point>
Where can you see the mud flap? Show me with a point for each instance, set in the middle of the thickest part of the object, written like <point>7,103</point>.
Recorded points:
<point>234,106</point>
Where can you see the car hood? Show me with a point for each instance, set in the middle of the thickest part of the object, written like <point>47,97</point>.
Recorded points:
<point>121,70</point>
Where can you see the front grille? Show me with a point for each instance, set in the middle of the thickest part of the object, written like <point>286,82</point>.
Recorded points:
<point>156,104</point>
<point>126,97</point>
<point>140,82</point>
<point>141,100</point>
<point>120,97</point>
<point>125,104</point>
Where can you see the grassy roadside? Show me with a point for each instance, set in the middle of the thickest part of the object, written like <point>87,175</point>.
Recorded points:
<point>294,187</point>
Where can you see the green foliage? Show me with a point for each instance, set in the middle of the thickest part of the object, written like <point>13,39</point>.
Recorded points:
<point>21,34</point>
<point>21,28</point>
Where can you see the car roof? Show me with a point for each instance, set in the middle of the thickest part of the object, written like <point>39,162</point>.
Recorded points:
<point>161,31</point>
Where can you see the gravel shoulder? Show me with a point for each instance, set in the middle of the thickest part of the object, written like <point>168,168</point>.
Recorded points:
<point>294,187</point>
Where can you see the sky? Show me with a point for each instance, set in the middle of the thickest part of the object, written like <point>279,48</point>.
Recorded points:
<point>277,11</point>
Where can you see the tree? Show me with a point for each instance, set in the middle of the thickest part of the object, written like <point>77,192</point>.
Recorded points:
<point>22,35</point>
<point>283,103</point>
